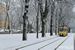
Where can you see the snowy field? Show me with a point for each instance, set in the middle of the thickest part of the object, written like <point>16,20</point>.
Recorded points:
<point>14,41</point>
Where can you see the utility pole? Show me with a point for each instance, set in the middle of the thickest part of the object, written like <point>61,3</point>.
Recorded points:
<point>25,17</point>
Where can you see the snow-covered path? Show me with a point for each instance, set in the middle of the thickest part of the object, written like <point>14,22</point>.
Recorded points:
<point>14,41</point>
<point>67,45</point>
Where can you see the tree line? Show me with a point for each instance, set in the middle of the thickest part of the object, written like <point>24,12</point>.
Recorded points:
<point>50,14</point>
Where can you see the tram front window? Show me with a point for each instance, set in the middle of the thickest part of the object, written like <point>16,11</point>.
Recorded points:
<point>61,29</point>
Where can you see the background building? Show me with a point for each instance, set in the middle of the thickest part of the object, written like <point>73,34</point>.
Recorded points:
<point>3,16</point>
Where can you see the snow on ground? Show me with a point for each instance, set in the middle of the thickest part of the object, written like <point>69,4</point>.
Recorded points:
<point>13,41</point>
<point>68,44</point>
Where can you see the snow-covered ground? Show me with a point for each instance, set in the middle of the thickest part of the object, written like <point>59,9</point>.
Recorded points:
<point>14,41</point>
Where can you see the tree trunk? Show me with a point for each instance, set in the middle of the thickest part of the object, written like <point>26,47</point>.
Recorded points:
<point>43,28</point>
<point>43,15</point>
<point>51,26</point>
<point>24,28</point>
<point>37,26</point>
<point>52,13</point>
<point>28,27</point>
<point>37,19</point>
<point>56,26</point>
<point>8,18</point>
<point>5,23</point>
<point>56,23</point>
<point>9,23</point>
<point>25,17</point>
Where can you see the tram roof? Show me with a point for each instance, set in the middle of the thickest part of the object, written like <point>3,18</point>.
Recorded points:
<point>62,27</point>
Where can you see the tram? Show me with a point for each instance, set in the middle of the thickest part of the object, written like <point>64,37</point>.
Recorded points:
<point>62,31</point>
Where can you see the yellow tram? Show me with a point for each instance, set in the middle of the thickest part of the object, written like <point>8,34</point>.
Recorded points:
<point>63,31</point>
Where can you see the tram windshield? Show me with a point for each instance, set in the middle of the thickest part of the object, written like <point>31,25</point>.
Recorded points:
<point>61,29</point>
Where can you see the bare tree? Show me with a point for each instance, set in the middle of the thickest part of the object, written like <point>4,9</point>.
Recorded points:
<point>52,13</point>
<point>7,17</point>
<point>24,20</point>
<point>43,14</point>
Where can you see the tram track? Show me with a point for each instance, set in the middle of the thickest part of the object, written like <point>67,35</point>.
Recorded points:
<point>21,47</point>
<point>35,43</point>
<point>61,43</point>
<point>51,43</point>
